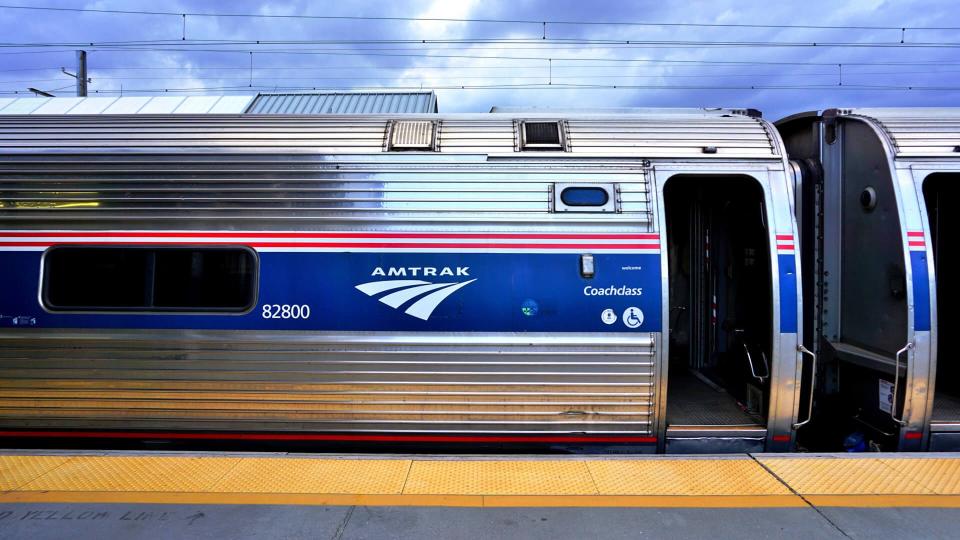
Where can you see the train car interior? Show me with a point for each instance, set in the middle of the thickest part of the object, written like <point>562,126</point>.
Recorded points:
<point>720,302</point>
<point>938,191</point>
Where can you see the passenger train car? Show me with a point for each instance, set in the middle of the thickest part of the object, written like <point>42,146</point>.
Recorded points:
<point>874,196</point>
<point>537,279</point>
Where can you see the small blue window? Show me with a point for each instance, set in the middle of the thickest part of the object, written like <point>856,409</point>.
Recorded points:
<point>584,196</point>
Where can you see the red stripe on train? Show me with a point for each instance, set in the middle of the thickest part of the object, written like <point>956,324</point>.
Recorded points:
<point>914,243</point>
<point>915,233</point>
<point>333,437</point>
<point>194,234</point>
<point>370,245</point>
<point>377,245</point>
<point>784,237</point>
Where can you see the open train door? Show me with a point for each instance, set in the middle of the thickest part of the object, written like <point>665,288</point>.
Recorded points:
<point>733,309</point>
<point>871,315</point>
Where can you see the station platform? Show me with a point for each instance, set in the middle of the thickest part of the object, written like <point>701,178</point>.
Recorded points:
<point>156,494</point>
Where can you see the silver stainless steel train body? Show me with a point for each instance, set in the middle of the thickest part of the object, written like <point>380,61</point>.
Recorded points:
<point>874,189</point>
<point>625,278</point>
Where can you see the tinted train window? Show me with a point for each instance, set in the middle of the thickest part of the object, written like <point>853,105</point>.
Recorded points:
<point>584,196</point>
<point>149,279</point>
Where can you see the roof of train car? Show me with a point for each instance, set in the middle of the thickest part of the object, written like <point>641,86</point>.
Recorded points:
<point>914,132</point>
<point>344,103</point>
<point>261,103</point>
<point>647,133</point>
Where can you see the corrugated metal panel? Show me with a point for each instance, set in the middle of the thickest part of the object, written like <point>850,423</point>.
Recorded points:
<point>676,136</point>
<point>345,103</point>
<point>481,135</point>
<point>917,132</point>
<point>383,382</point>
<point>638,136</point>
<point>225,190</point>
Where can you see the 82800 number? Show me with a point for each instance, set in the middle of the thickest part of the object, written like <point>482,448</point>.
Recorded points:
<point>286,311</point>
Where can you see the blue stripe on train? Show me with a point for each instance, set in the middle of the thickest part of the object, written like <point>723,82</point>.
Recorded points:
<point>921,290</point>
<point>511,293</point>
<point>788,293</point>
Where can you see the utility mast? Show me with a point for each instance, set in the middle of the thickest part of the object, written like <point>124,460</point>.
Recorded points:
<point>81,74</point>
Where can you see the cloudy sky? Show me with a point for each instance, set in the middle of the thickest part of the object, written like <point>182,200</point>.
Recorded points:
<point>747,53</point>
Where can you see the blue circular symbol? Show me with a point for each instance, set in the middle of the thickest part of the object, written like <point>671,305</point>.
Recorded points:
<point>529,308</point>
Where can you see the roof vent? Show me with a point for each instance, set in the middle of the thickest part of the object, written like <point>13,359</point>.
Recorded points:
<point>541,136</point>
<point>412,135</point>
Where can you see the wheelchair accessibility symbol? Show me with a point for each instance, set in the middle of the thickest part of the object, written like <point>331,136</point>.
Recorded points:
<point>632,317</point>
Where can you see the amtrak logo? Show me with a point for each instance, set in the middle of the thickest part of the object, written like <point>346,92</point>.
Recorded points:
<point>428,295</point>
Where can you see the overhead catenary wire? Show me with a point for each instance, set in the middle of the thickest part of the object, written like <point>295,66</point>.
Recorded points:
<point>183,14</point>
<point>496,77</point>
<point>613,63</point>
<point>533,86</point>
<point>547,50</point>
<point>184,44</point>
<point>574,59</point>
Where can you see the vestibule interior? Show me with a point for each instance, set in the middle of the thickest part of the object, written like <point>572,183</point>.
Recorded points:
<point>720,301</point>
<point>938,191</point>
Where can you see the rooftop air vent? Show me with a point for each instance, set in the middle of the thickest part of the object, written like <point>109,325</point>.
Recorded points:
<point>541,136</point>
<point>412,135</point>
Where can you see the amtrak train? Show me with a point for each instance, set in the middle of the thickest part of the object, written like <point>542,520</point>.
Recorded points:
<point>661,280</point>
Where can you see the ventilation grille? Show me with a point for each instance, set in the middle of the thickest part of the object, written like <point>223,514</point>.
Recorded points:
<point>412,135</point>
<point>542,136</point>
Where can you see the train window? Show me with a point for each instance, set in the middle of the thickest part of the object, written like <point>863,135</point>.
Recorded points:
<point>149,279</point>
<point>584,198</point>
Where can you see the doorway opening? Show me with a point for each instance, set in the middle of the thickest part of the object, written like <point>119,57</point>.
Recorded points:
<point>721,308</point>
<point>938,190</point>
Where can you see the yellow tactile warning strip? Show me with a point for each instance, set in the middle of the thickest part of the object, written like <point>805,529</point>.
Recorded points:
<point>15,471</point>
<point>712,477</point>
<point>735,481</point>
<point>872,481</point>
<point>500,478</point>
<point>334,476</point>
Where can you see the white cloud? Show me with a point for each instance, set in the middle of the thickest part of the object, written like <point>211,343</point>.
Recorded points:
<point>442,9</point>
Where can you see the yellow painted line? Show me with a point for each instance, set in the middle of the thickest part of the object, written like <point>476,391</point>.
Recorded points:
<point>324,499</point>
<point>649,501</point>
<point>886,501</point>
